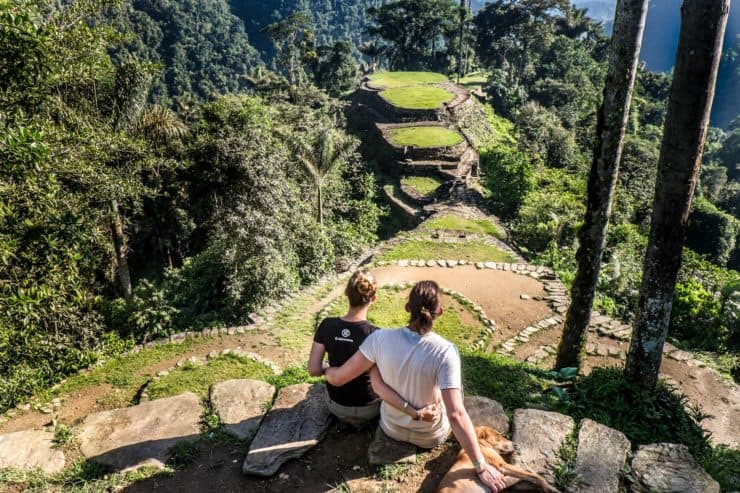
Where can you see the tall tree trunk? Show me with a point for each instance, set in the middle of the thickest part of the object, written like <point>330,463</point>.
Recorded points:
<point>624,53</point>
<point>695,74</point>
<point>119,246</point>
<point>463,12</point>
<point>321,203</point>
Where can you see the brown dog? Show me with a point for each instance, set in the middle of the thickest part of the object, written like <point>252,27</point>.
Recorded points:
<point>461,478</point>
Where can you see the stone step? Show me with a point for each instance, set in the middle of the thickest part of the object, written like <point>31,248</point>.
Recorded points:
<point>241,405</point>
<point>602,453</point>
<point>30,449</point>
<point>538,436</point>
<point>297,422</point>
<point>131,437</point>
<point>668,468</point>
<point>487,412</point>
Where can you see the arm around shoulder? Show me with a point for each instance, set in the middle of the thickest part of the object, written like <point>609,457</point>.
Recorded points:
<point>353,368</point>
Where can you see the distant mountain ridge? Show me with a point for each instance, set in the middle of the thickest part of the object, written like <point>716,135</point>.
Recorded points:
<point>660,42</point>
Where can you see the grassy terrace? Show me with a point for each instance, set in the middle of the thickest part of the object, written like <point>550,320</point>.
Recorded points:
<point>387,80</point>
<point>456,223</point>
<point>458,323</point>
<point>417,97</point>
<point>199,378</point>
<point>474,81</point>
<point>424,185</point>
<point>424,137</point>
<point>471,251</point>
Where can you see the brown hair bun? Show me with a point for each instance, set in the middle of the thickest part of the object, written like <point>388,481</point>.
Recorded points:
<point>361,288</point>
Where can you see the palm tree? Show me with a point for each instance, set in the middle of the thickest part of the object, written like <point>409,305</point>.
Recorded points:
<point>374,52</point>
<point>687,119</point>
<point>159,125</point>
<point>629,24</point>
<point>321,155</point>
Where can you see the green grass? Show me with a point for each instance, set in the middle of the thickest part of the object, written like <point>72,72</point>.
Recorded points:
<point>389,312</point>
<point>417,97</point>
<point>122,372</point>
<point>512,383</point>
<point>458,223</point>
<point>423,185</point>
<point>504,132</point>
<point>425,137</point>
<point>387,80</point>
<point>199,378</point>
<point>474,81</point>
<point>294,323</point>
<point>471,251</point>
<point>82,477</point>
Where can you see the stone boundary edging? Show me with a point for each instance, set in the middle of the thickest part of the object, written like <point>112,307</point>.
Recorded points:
<point>204,360</point>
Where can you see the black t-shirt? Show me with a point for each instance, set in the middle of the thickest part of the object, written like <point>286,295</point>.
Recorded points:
<point>341,340</point>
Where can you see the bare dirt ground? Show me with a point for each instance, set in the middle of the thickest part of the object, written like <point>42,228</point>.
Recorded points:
<point>497,292</point>
<point>340,458</point>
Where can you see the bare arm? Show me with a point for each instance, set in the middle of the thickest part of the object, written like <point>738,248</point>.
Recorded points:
<point>316,360</point>
<point>464,431</point>
<point>351,369</point>
<point>391,397</point>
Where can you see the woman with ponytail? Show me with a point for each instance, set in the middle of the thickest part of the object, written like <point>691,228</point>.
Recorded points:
<point>421,368</point>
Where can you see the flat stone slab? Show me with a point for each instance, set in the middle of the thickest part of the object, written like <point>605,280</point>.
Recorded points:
<point>30,449</point>
<point>131,437</point>
<point>385,450</point>
<point>297,422</point>
<point>602,453</point>
<point>538,436</point>
<point>241,405</point>
<point>669,468</point>
<point>487,412</point>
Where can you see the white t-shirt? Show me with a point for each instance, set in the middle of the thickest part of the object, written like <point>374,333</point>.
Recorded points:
<point>417,367</point>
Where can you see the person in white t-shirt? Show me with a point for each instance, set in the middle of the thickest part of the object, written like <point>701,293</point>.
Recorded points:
<point>421,367</point>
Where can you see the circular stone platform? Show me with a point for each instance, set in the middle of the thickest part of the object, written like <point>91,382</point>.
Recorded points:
<point>387,80</point>
<point>423,136</point>
<point>425,97</point>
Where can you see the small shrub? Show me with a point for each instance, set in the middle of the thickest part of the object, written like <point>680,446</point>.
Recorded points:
<point>183,454</point>
<point>711,231</point>
<point>696,316</point>
<point>508,175</point>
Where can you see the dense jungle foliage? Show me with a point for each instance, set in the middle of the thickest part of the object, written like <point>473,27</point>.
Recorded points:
<point>165,164</point>
<point>211,219</point>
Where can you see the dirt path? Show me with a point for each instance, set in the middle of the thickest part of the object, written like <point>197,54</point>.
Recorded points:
<point>704,387</point>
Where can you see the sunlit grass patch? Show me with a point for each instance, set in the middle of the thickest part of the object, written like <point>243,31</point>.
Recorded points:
<point>424,137</point>
<point>474,81</point>
<point>387,80</point>
<point>423,185</point>
<point>459,223</point>
<point>124,372</point>
<point>199,378</point>
<point>471,251</point>
<point>295,322</point>
<point>417,97</point>
<point>458,322</point>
